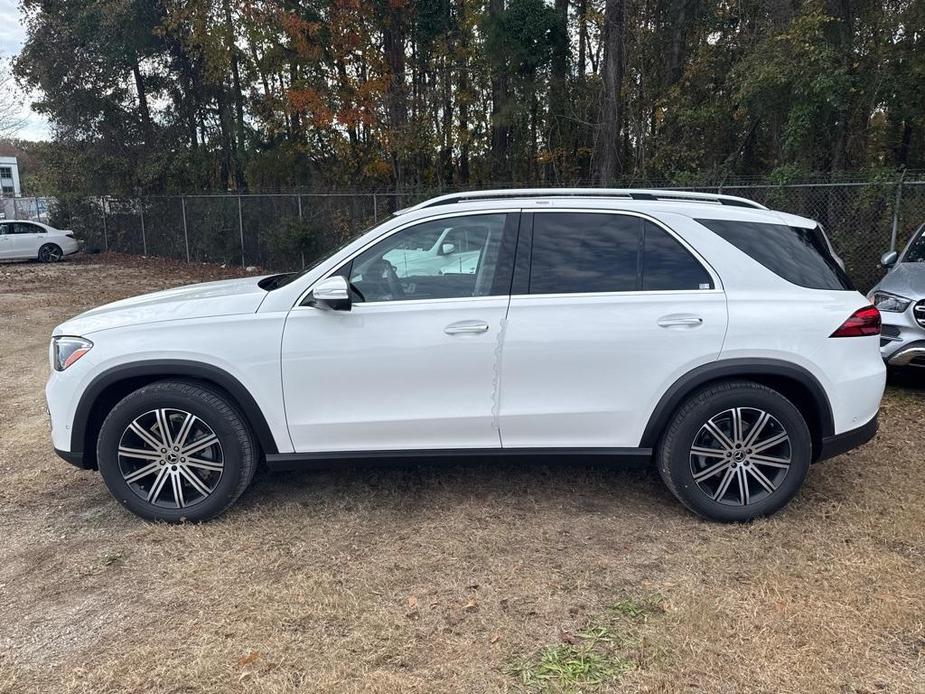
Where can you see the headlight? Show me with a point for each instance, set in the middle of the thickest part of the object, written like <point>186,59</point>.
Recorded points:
<point>891,303</point>
<point>65,350</point>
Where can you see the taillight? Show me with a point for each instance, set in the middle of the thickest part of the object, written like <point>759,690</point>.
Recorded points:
<point>863,322</point>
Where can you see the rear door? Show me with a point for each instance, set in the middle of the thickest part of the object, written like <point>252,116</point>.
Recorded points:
<point>607,310</point>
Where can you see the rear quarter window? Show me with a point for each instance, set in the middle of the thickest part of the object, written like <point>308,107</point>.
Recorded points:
<point>796,254</point>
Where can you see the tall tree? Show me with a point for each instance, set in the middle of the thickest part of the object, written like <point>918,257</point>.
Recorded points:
<point>608,140</point>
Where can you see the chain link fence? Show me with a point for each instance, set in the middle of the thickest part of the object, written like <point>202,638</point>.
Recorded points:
<point>289,231</point>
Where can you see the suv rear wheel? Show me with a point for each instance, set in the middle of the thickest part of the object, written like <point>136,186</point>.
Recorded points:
<point>735,451</point>
<point>176,451</point>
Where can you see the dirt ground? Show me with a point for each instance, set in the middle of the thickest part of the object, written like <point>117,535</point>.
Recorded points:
<point>455,578</point>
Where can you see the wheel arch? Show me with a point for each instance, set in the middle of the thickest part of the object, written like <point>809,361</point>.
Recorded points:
<point>791,380</point>
<point>106,389</point>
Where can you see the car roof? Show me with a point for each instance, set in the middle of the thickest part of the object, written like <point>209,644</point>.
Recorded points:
<point>688,204</point>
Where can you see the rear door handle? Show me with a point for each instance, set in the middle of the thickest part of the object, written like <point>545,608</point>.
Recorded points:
<point>466,326</point>
<point>680,320</point>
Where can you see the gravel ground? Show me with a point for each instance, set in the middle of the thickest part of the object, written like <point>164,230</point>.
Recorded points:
<point>455,578</point>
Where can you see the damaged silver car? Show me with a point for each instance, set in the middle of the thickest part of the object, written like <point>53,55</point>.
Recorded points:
<point>900,296</point>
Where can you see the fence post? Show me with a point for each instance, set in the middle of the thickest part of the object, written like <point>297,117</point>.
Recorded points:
<point>375,210</point>
<point>144,239</point>
<point>899,199</point>
<point>241,230</point>
<point>105,232</point>
<point>185,232</point>
<point>301,251</point>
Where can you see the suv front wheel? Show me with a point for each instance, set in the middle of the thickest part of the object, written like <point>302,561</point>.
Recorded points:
<point>176,451</point>
<point>735,451</point>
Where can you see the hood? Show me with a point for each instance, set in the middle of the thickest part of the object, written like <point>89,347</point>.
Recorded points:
<point>906,279</point>
<point>221,298</point>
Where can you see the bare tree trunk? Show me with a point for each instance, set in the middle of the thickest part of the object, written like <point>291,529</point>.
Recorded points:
<point>143,109</point>
<point>500,129</point>
<point>393,40</point>
<point>237,96</point>
<point>582,37</point>
<point>608,144</point>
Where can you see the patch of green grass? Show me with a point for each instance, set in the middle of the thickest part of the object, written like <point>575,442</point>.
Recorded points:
<point>595,655</point>
<point>639,608</point>
<point>568,668</point>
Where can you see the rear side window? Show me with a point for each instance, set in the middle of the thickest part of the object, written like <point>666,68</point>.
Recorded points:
<point>575,252</point>
<point>798,255</point>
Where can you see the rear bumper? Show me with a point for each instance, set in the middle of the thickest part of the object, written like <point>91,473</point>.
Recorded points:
<point>848,440</point>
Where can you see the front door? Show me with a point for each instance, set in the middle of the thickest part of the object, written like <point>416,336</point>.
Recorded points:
<point>606,312</point>
<point>24,239</point>
<point>413,364</point>
<point>6,239</point>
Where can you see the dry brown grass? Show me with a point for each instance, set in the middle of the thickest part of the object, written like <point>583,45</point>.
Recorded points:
<point>451,578</point>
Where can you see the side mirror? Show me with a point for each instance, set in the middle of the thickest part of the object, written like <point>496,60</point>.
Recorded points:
<point>889,259</point>
<point>332,294</point>
<point>447,248</point>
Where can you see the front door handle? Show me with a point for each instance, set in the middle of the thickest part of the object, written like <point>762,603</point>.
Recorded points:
<point>466,326</point>
<point>680,320</point>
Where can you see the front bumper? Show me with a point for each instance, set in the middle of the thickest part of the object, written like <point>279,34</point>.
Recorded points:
<point>902,340</point>
<point>75,459</point>
<point>847,440</point>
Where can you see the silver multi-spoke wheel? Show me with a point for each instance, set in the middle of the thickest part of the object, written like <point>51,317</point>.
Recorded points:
<point>740,456</point>
<point>170,458</point>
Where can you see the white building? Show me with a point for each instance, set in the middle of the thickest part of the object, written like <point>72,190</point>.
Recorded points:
<point>9,178</point>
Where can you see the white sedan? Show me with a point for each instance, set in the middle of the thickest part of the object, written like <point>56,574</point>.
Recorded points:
<point>24,240</point>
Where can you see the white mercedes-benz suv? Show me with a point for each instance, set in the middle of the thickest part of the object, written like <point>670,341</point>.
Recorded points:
<point>706,333</point>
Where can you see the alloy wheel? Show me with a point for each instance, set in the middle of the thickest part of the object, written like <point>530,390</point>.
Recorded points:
<point>50,254</point>
<point>170,458</point>
<point>740,456</point>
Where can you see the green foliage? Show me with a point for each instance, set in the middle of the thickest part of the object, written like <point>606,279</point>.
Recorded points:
<point>597,655</point>
<point>196,95</point>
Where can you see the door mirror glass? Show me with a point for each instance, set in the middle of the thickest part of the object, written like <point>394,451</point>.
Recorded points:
<point>331,294</point>
<point>889,259</point>
<point>447,248</point>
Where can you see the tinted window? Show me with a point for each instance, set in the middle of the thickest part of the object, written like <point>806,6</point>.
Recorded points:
<point>798,255</point>
<point>668,265</point>
<point>442,259</point>
<point>583,252</point>
<point>916,251</point>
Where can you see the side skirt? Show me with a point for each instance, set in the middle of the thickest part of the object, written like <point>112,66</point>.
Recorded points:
<point>308,461</point>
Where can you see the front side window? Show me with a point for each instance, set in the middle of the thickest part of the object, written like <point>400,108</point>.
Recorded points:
<point>916,251</point>
<point>440,259</point>
<point>22,228</point>
<point>797,254</point>
<point>6,229</point>
<point>578,252</point>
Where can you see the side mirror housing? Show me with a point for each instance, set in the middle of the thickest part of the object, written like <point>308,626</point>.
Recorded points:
<point>889,259</point>
<point>331,294</point>
<point>447,248</point>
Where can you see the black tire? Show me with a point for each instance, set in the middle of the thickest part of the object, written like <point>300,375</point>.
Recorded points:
<point>717,404</point>
<point>212,410</point>
<point>50,253</point>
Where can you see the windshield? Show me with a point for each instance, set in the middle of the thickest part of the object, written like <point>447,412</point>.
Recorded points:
<point>916,251</point>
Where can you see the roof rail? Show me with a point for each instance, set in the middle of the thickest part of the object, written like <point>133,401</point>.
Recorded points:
<point>624,193</point>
